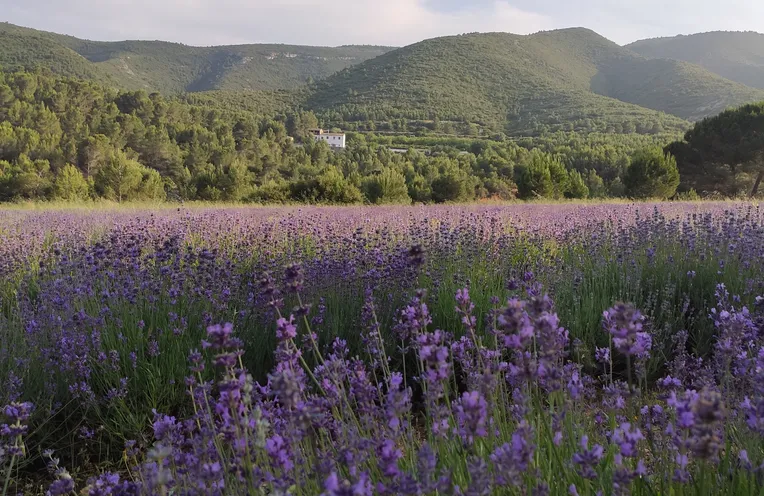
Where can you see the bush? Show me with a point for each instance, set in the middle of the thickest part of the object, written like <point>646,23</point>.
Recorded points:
<point>576,186</point>
<point>70,184</point>
<point>690,195</point>
<point>652,174</point>
<point>387,187</point>
<point>449,188</point>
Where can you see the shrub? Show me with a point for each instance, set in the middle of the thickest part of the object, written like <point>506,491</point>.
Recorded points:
<point>651,174</point>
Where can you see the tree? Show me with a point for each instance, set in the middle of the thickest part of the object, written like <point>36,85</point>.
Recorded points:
<point>724,153</point>
<point>449,187</point>
<point>652,174</point>
<point>595,184</point>
<point>234,181</point>
<point>499,188</point>
<point>271,191</point>
<point>151,186</point>
<point>30,179</point>
<point>542,176</point>
<point>419,189</point>
<point>389,186</point>
<point>70,185</point>
<point>95,154</point>
<point>616,189</point>
<point>120,178</point>
<point>559,176</point>
<point>576,186</point>
<point>331,187</point>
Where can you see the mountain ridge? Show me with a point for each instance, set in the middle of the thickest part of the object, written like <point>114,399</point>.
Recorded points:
<point>735,55</point>
<point>172,67</point>
<point>502,76</point>
<point>570,79</point>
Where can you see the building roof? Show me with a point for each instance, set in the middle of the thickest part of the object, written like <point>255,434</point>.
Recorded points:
<point>321,132</point>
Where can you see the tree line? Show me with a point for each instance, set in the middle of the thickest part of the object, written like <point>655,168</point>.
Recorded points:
<point>68,139</point>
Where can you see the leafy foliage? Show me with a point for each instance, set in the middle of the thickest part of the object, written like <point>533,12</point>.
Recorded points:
<point>389,186</point>
<point>475,85</point>
<point>652,174</point>
<point>724,153</point>
<point>679,88</point>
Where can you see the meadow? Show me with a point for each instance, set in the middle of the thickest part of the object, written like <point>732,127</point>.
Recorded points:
<point>466,350</point>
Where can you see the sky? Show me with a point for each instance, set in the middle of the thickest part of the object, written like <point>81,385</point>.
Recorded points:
<point>372,22</point>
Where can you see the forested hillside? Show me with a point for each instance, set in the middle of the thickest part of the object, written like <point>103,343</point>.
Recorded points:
<point>471,85</point>
<point>737,56</point>
<point>174,68</point>
<point>517,84</point>
<point>559,114</point>
<point>71,139</point>
<point>535,84</point>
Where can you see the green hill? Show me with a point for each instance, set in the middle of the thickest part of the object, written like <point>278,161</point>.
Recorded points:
<point>528,84</point>
<point>173,67</point>
<point>737,56</point>
<point>563,80</point>
<point>679,88</point>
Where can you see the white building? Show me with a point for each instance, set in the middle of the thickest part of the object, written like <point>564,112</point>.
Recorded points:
<point>335,140</point>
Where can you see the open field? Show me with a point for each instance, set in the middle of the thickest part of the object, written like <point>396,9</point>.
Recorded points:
<point>484,349</point>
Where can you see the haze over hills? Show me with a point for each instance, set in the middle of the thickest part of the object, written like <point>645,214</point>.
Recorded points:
<point>173,67</point>
<point>737,56</point>
<point>569,79</point>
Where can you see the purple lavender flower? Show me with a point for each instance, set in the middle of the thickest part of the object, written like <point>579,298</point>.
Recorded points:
<point>587,459</point>
<point>277,448</point>
<point>414,319</point>
<point>397,403</point>
<point>61,487</point>
<point>708,432</point>
<point>388,455</point>
<point>512,460</point>
<point>627,438</point>
<point>602,355</point>
<point>220,337</point>
<point>471,412</point>
<point>624,323</point>
<point>416,256</point>
<point>293,277</point>
<point>286,329</point>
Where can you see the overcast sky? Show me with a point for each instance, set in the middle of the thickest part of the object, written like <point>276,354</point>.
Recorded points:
<point>380,22</point>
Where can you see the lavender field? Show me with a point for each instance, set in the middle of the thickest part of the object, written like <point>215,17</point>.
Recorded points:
<point>530,349</point>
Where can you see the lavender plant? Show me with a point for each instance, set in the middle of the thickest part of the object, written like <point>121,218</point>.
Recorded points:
<point>448,350</point>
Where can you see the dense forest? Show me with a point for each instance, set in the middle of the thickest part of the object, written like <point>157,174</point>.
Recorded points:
<point>70,139</point>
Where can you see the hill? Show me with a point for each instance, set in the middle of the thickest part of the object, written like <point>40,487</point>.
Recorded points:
<point>679,88</point>
<point>564,80</point>
<point>173,67</point>
<point>529,84</point>
<point>737,56</point>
